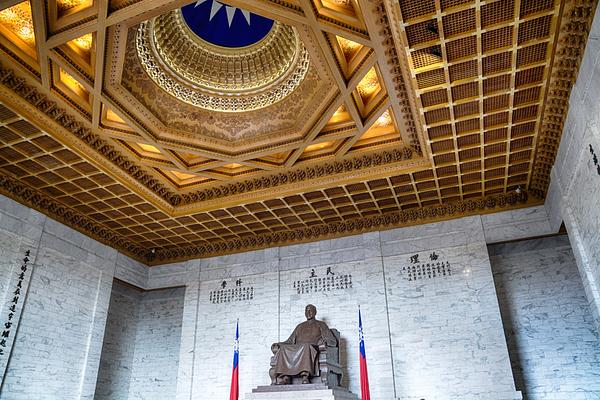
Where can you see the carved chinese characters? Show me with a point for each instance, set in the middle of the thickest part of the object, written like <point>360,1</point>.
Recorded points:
<point>426,266</point>
<point>323,282</point>
<point>231,291</point>
<point>10,320</point>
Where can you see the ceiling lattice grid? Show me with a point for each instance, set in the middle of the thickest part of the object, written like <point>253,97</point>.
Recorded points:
<point>481,72</point>
<point>409,112</point>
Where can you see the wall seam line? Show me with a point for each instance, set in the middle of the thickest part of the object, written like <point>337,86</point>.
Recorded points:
<point>387,312</point>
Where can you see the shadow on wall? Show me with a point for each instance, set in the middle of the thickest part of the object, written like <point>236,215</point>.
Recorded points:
<point>553,345</point>
<point>140,352</point>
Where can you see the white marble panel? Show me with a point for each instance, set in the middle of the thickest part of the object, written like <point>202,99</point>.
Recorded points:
<point>225,267</point>
<point>119,344</point>
<point>338,307</point>
<point>157,342</point>
<point>54,351</point>
<point>171,275</point>
<point>214,336</point>
<point>64,234</point>
<point>516,224</point>
<point>554,346</point>
<point>554,203</point>
<point>14,283</point>
<point>131,271</point>
<point>325,252</point>
<point>443,234</point>
<point>189,328</point>
<point>575,184</point>
<point>27,218</point>
<point>444,329</point>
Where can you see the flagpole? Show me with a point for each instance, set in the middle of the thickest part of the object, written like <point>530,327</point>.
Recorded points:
<point>364,375</point>
<point>234,388</point>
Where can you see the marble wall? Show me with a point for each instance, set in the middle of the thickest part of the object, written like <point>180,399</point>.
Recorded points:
<point>61,310</point>
<point>140,353</point>
<point>446,331</point>
<point>430,313</point>
<point>118,348</point>
<point>553,343</point>
<point>575,186</point>
<point>432,331</point>
<point>157,344</point>
<point>20,231</point>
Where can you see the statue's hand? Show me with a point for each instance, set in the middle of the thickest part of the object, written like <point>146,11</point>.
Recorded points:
<point>322,344</point>
<point>275,348</point>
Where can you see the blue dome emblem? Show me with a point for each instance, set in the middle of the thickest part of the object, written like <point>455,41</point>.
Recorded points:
<point>225,26</point>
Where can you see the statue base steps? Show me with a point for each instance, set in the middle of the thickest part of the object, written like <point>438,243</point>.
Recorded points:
<point>299,392</point>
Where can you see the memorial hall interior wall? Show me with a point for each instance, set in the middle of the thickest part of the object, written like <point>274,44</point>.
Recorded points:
<point>140,352</point>
<point>427,336</point>
<point>430,312</point>
<point>486,307</point>
<point>59,305</point>
<point>553,344</point>
<point>574,192</point>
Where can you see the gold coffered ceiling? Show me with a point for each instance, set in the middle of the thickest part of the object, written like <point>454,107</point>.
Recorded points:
<point>350,115</point>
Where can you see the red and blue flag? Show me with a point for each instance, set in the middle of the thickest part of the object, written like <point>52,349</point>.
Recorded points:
<point>234,391</point>
<point>364,375</point>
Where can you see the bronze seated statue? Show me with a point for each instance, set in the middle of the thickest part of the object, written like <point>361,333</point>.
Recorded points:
<point>310,355</point>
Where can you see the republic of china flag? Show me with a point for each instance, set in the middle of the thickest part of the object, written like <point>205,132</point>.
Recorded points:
<point>234,391</point>
<point>364,376</point>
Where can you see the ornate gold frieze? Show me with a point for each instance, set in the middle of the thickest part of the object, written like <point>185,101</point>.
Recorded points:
<point>349,227</point>
<point>569,53</point>
<point>300,175</point>
<point>35,199</point>
<point>372,183</point>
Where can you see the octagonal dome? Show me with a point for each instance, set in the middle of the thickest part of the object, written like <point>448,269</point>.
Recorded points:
<point>222,58</point>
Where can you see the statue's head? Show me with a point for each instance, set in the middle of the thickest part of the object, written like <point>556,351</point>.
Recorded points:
<point>310,311</point>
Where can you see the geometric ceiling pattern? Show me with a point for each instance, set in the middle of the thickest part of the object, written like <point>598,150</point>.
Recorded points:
<point>119,119</point>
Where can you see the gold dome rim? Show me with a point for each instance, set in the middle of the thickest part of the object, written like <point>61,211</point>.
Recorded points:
<point>217,78</point>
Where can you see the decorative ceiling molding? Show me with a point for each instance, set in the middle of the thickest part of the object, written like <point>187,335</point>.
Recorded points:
<point>572,39</point>
<point>410,112</point>
<point>55,210</point>
<point>61,116</point>
<point>280,63</point>
<point>47,205</point>
<point>346,228</point>
<point>305,175</point>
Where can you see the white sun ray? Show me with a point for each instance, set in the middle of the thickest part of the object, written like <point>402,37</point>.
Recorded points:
<point>216,6</point>
<point>246,15</point>
<point>230,13</point>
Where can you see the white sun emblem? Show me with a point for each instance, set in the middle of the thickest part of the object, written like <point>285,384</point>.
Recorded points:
<point>216,6</point>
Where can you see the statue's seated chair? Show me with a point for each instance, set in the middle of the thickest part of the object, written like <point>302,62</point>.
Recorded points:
<point>330,370</point>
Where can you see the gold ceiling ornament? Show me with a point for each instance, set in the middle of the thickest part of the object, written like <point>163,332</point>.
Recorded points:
<point>219,78</point>
<point>64,5</point>
<point>488,90</point>
<point>18,20</point>
<point>348,47</point>
<point>149,148</point>
<point>369,85</point>
<point>384,120</point>
<point>68,80</point>
<point>84,42</point>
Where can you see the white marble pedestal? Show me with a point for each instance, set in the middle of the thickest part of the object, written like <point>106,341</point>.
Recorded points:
<point>299,392</point>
